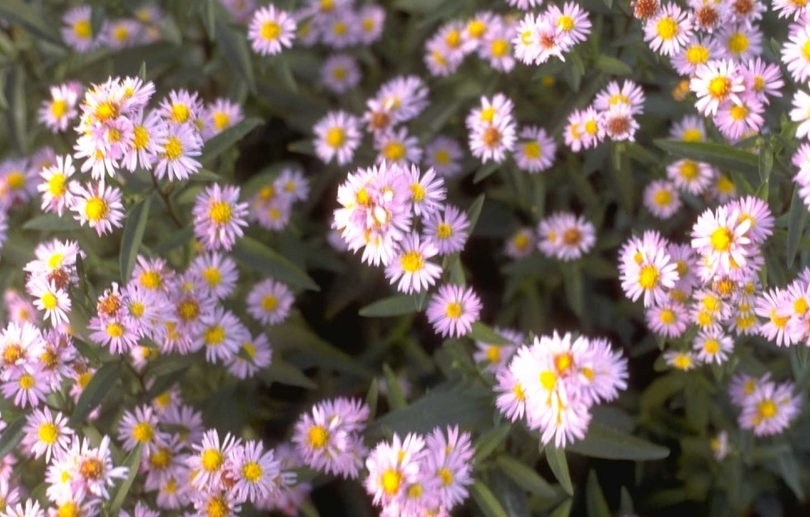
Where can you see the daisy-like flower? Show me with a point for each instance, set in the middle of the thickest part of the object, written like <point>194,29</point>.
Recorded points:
<point>256,472</point>
<point>57,112</point>
<point>271,30</point>
<point>737,120</point>
<point>120,335</point>
<point>651,277</point>
<point>181,107</point>
<point>762,79</point>
<point>257,355</point>
<point>720,237</point>
<point>221,336</point>
<point>337,136</point>
<point>511,395</point>
<point>679,360</point>
<point>292,182</point>
<point>716,83</point>
<point>217,272</point>
<point>756,211</point>
<point>669,320</point>
<point>618,123</point>
<point>340,73</point>
<point>443,154</point>
<point>219,217</point>
<point>801,113</point>
<point>97,206</point>
<point>788,8</point>
<point>496,48</point>
<point>55,185</point>
<point>448,231</point>
<point>177,156</point>
<point>690,176</point>
<point>141,427</point>
<point>77,30</point>
<point>427,191</point>
<point>712,347</point>
<point>396,146</point>
<point>45,433</point>
<point>208,460</point>
<point>669,30</point>
<point>741,41</point>
<point>148,141</point>
<point>572,22</point>
<point>221,115</point>
<point>535,150</point>
<point>662,199</point>
<point>690,128</point>
<point>770,409</point>
<point>497,356</point>
<point>25,386</point>
<point>93,470</point>
<point>521,243</point>
<point>708,15</point>
<point>449,459</point>
<point>392,467</point>
<point>699,50</point>
<point>269,302</point>
<point>413,268</point>
<point>565,236</point>
<point>775,329</point>
<point>51,299</point>
<point>629,94</point>
<point>372,22</point>
<point>453,310</point>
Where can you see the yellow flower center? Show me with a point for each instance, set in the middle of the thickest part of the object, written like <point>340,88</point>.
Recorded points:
<point>697,54</point>
<point>115,330</point>
<point>212,460</point>
<point>217,507</point>
<point>56,185</point>
<point>721,239</point>
<point>738,43</point>
<point>648,277</point>
<point>160,458</point>
<point>800,306</point>
<point>488,114</point>
<point>692,135</point>
<point>476,29</point>
<point>96,209</point>
<point>412,262</point>
<point>391,479</point>
<point>188,310</point>
<point>548,380</point>
<point>663,198</point>
<point>591,127</point>
<point>252,472</point>
<point>48,433</point>
<point>682,362</point>
<point>69,509</point>
<point>453,310</point>
<point>151,280</point>
<point>667,28</point>
<point>532,150</point>
<point>415,491</point>
<point>340,28</point>
<point>59,108</point>
<point>180,113</point>
<point>767,409</point>
<point>335,137</point>
<point>83,29</point>
<point>212,275</point>
<point>499,47</point>
<point>214,335</point>
<point>720,87</point>
<point>317,437</point>
<point>49,301</point>
<point>738,112</point>
<point>270,30</point>
<point>453,38</point>
<point>143,432</point>
<point>442,157</point>
<point>220,212</point>
<point>418,192</point>
<point>711,346</point>
<point>565,23</point>
<point>667,316</point>
<point>174,148</point>
<point>689,170</point>
<point>724,185</point>
<point>493,353</point>
<point>444,231</point>
<point>269,303</point>
<point>394,151</point>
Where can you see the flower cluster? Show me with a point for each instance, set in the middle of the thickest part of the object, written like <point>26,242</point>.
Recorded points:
<point>420,475</point>
<point>565,236</point>
<point>712,284</point>
<point>611,115</point>
<point>115,34</point>
<point>552,33</point>
<point>337,24</point>
<point>272,205</point>
<point>766,407</point>
<point>494,356</point>
<point>555,381</point>
<point>330,437</point>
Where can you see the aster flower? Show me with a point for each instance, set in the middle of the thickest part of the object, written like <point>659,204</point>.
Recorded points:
<point>443,154</point>
<point>221,335</point>
<point>690,176</point>
<point>453,310</point>
<point>741,40</point>
<point>712,347</point>
<point>219,217</point>
<point>141,427</point>
<point>668,320</point>
<point>521,243</point>
<point>618,123</point>
<point>180,108</point>
<point>47,297</point>
<point>217,272</point>
<point>629,94</point>
<point>209,460</point>
<point>257,355</point>
<point>413,268</point>
<point>269,302</point>
<point>57,112</point>
<point>45,433</point>
<point>662,199</point>
<point>372,21</point>
<point>565,236</point>
<point>699,50</point>
<point>762,79</point>
<point>669,30</point>
<point>97,206</point>
<point>651,277</point>
<point>271,30</point>
<point>770,409</point>
<point>392,467</point>
<point>448,230</point>
<point>77,32</point>
<point>340,73</point>
<point>337,136</point>
<point>715,83</point>
<point>738,120</point>
<point>679,360</point>
<point>396,146</point>
<point>256,472</point>
<point>55,187</point>
<point>177,155</point>
<point>720,237</point>
<point>221,115</point>
<point>535,151</point>
<point>497,356</point>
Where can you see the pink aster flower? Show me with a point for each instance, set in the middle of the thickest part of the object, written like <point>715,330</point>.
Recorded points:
<point>716,83</point>
<point>57,112</point>
<point>668,30</point>
<point>337,136</point>
<point>453,310</point>
<point>219,217</point>
<point>177,156</point>
<point>271,30</point>
<point>535,150</point>
<point>46,433</point>
<point>269,302</point>
<point>448,230</point>
<point>412,267</point>
<point>97,206</point>
<point>444,155</point>
<point>77,30</point>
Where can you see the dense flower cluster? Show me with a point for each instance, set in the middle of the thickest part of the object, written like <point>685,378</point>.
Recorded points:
<point>766,407</point>
<point>420,475</point>
<point>330,437</point>
<point>554,382</point>
<point>711,285</point>
<point>115,34</point>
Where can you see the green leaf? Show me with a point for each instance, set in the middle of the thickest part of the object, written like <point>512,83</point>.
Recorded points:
<point>626,503</point>
<point>282,372</point>
<point>485,171</point>
<point>789,469</point>
<point>574,290</point>
<point>175,240</point>
<point>396,400</point>
<point>612,65</point>
<point>11,436</point>
<point>474,212</point>
<point>564,510</point>
<point>438,408</point>
<point>722,156</point>
<point>99,387</point>
<point>608,443</point>
<point>371,397</point>
<point>307,349</point>
<point>559,466</point>
<point>595,499</point>
<point>234,45</point>
<point>207,10</point>
<point>225,140</point>
<point>30,17</point>
<point>98,14</point>
<point>260,258</point>
<point>485,334</point>
<point>526,477</point>
<point>204,175</point>
<point>132,462</point>
<point>486,500</point>
<point>52,223</point>
<point>489,441</point>
<point>392,306</point>
<point>134,229</point>
<point>797,218</point>
<point>18,115</point>
<point>765,163</point>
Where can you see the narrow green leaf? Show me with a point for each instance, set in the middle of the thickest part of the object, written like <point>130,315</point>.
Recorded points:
<point>307,349</point>
<point>225,140</point>
<point>134,229</point>
<point>485,171</point>
<point>11,436</point>
<point>626,503</point>
<point>260,258</point>
<point>486,500</point>
<point>204,175</point>
<point>392,306</point>
<point>559,466</point>
<point>282,372</point>
<point>474,212</point>
<point>489,441</point>
<point>722,156</point>
<point>789,469</point>
<point>396,400</point>
<point>608,443</point>
<point>595,499</point>
<point>564,510</point>
<point>177,239</point>
<point>142,71</point>
<point>18,114</point>
<point>53,223</point>
<point>612,65</point>
<point>526,477</point>
<point>765,163</point>
<point>797,218</point>
<point>31,18</point>
<point>485,334</point>
<point>99,386</point>
<point>207,10</point>
<point>132,462</point>
<point>97,16</point>
<point>234,45</point>
<point>371,397</point>
<point>574,290</point>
